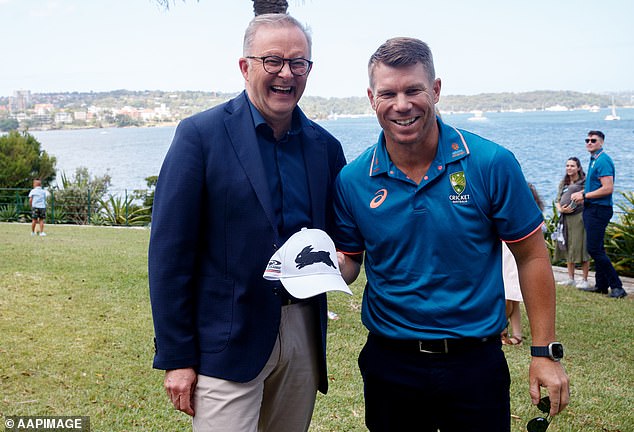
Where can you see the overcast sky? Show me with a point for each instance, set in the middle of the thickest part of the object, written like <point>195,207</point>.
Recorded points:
<point>479,46</point>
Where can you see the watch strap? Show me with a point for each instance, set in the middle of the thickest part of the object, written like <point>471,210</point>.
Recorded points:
<point>540,351</point>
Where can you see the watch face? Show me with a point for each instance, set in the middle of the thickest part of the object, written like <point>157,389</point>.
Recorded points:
<point>557,350</point>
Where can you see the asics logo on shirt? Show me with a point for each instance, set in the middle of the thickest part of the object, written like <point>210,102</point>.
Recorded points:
<point>378,199</point>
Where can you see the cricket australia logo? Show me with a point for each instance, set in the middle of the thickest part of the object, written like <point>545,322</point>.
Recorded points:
<point>459,185</point>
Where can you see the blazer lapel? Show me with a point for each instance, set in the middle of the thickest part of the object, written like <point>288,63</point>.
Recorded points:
<point>315,158</point>
<point>245,145</point>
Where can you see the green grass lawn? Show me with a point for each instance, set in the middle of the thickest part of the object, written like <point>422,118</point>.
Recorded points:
<point>76,339</point>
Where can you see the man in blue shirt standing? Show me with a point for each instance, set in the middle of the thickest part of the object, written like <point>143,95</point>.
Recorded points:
<point>429,204</point>
<point>597,212</point>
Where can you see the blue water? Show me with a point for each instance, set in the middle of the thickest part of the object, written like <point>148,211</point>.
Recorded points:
<point>541,141</point>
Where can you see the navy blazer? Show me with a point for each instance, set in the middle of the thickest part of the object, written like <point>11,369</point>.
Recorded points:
<point>212,235</point>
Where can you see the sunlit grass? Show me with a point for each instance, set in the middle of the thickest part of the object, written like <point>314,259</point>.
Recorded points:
<point>76,339</point>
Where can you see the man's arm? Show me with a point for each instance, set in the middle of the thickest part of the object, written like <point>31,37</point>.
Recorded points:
<point>350,266</point>
<point>538,290</point>
<point>607,188</point>
<point>174,249</point>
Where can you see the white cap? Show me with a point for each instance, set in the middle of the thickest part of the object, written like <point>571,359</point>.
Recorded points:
<point>307,265</point>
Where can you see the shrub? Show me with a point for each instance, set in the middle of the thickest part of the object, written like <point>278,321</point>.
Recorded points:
<point>121,211</point>
<point>79,198</point>
<point>551,226</point>
<point>9,213</point>
<point>619,238</point>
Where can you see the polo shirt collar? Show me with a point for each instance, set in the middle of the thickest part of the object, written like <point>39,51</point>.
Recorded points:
<point>451,147</point>
<point>596,154</point>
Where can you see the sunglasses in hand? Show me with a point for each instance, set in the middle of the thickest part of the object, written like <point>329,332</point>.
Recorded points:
<point>540,424</point>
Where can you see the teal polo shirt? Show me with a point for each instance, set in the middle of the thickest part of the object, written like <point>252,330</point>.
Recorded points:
<point>432,251</point>
<point>601,165</point>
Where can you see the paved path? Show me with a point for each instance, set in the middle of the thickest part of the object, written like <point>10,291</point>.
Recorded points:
<point>561,276</point>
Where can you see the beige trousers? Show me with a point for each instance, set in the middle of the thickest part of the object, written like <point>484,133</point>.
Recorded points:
<point>281,398</point>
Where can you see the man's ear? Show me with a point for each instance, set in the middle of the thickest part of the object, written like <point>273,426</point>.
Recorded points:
<point>244,67</point>
<point>371,97</point>
<point>437,85</point>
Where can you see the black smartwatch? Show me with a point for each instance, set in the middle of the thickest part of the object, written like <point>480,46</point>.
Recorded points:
<point>554,350</point>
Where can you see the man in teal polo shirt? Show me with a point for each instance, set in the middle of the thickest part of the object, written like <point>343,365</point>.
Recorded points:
<point>429,204</point>
<point>597,212</point>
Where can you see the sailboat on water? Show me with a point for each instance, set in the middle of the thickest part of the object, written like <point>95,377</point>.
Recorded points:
<point>613,116</point>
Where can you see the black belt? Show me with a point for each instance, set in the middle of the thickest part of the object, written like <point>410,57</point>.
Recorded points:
<point>440,346</point>
<point>286,301</point>
<point>285,298</point>
<point>587,203</point>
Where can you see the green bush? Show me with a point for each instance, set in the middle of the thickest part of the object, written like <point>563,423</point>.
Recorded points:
<point>619,238</point>
<point>9,213</point>
<point>551,226</point>
<point>79,197</point>
<point>122,211</point>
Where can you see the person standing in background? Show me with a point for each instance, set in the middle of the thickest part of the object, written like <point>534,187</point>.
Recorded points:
<point>37,201</point>
<point>240,353</point>
<point>597,212</point>
<point>573,247</point>
<point>512,334</point>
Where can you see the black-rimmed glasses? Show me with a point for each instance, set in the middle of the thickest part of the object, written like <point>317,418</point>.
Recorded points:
<point>591,140</point>
<point>274,64</point>
<point>540,424</point>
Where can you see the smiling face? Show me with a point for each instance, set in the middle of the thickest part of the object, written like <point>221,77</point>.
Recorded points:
<point>404,99</point>
<point>275,95</point>
<point>572,169</point>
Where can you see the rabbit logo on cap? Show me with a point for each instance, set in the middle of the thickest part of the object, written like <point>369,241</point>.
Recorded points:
<point>307,265</point>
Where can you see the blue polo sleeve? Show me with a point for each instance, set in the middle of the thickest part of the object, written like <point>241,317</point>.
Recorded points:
<point>347,237</point>
<point>513,208</point>
<point>604,167</point>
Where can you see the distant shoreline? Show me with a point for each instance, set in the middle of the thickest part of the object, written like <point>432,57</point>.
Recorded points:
<point>477,115</point>
<point>123,108</point>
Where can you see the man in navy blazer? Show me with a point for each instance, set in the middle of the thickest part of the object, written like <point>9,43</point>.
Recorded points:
<point>237,181</point>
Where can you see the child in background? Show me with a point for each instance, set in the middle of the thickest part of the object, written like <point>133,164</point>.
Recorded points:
<point>37,201</point>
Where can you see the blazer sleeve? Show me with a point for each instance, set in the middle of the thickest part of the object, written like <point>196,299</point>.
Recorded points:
<point>173,245</point>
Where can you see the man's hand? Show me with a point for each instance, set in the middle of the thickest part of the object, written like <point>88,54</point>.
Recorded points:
<point>545,372</point>
<point>577,197</point>
<point>179,385</point>
<point>566,209</point>
<point>348,267</point>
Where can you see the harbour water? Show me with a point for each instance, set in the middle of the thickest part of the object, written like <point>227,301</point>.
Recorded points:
<point>542,141</point>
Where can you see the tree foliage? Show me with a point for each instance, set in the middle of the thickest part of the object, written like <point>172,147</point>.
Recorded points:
<point>22,159</point>
<point>8,124</point>
<point>259,6</point>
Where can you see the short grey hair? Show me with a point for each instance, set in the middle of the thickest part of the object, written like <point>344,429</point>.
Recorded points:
<point>402,51</point>
<point>272,20</point>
